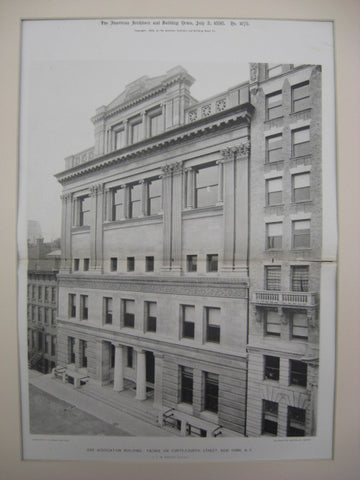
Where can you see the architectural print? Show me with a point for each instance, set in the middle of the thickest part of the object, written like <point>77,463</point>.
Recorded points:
<point>190,273</point>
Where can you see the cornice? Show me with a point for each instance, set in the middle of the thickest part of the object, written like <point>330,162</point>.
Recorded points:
<point>164,140</point>
<point>180,77</point>
<point>159,345</point>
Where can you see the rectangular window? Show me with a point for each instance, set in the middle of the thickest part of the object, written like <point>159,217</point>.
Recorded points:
<point>273,278</point>
<point>212,318</point>
<point>84,312</point>
<point>72,305</point>
<point>113,264</point>
<point>300,97</point>
<point>154,197</point>
<point>71,349</point>
<point>112,356</point>
<point>211,392</point>
<point>53,317</point>
<point>76,264</point>
<point>53,294</point>
<point>83,353</point>
<point>151,316</point>
<point>270,418</point>
<point>273,146</point>
<point>117,203</point>
<point>135,200</point>
<point>129,313</point>
<point>212,263</point>
<point>156,124</point>
<point>301,142</point>
<point>301,234</point>
<point>186,382</point>
<point>273,69</point>
<point>129,357</point>
<point>84,211</point>
<point>149,264</point>
<point>299,326</point>
<point>298,373</point>
<point>86,264</point>
<point>53,345</point>
<point>274,191</point>
<point>136,132</point>
<point>273,105</point>
<point>47,341</point>
<point>108,312</point>
<point>272,323</point>
<point>119,139</point>
<point>206,186</point>
<point>271,368</point>
<point>188,321</point>
<point>47,316</point>
<point>130,262</point>
<point>300,278</point>
<point>191,263</point>
<point>33,295</point>
<point>39,293</point>
<point>274,234</point>
<point>296,422</point>
<point>301,187</point>
<point>46,294</point>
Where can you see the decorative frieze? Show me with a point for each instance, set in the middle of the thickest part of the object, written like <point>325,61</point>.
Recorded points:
<point>220,105</point>
<point>225,290</point>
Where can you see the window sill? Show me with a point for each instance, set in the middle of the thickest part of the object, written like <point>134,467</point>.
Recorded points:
<point>80,229</point>
<point>307,110</point>
<point>274,205</point>
<point>269,120</point>
<point>300,202</point>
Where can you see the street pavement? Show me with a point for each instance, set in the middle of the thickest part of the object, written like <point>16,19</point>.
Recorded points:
<point>67,393</point>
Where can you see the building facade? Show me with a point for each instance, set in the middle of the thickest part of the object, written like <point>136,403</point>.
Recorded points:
<point>42,295</point>
<point>166,232</point>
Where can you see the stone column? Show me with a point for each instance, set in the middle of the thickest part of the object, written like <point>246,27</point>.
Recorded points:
<point>159,362</point>
<point>96,227</point>
<point>118,369</point>
<point>167,216</point>
<point>176,234</point>
<point>66,226</point>
<point>236,209</point>
<point>140,375</point>
<point>242,210</point>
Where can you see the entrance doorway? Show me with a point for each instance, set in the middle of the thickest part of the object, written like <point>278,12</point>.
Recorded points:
<point>150,367</point>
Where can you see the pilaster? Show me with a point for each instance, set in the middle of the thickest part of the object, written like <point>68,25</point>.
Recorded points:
<point>96,227</point>
<point>235,177</point>
<point>66,224</point>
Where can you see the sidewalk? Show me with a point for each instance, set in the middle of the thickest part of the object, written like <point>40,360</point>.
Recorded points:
<point>95,407</point>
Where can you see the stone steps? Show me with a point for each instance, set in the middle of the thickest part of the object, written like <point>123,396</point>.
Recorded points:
<point>129,406</point>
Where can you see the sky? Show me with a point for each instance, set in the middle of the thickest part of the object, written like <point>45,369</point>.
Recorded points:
<point>70,68</point>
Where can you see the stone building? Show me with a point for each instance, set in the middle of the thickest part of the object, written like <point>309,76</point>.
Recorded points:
<point>161,287</point>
